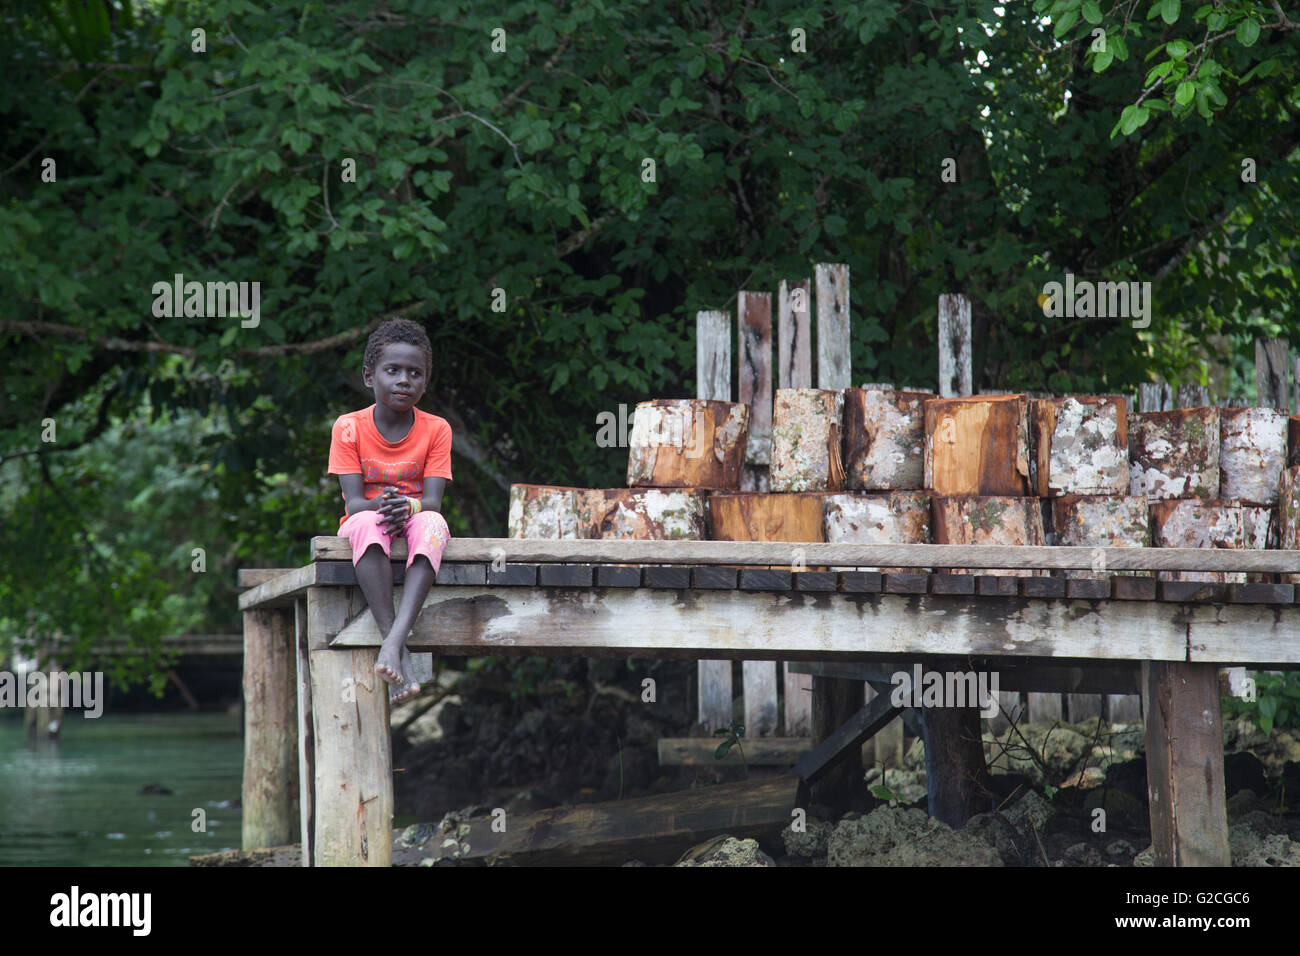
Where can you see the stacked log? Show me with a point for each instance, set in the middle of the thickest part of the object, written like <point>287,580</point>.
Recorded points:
<point>1100,521</point>
<point>977,446</point>
<point>645,514</point>
<point>988,519</point>
<point>899,517</point>
<point>548,511</point>
<point>1293,441</point>
<point>1081,445</point>
<point>884,438</point>
<point>754,516</point>
<point>687,443</point>
<point>1174,454</point>
<point>1252,453</point>
<point>806,428</point>
<point>1211,524</point>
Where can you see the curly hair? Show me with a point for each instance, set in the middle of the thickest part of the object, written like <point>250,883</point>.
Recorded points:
<point>398,330</point>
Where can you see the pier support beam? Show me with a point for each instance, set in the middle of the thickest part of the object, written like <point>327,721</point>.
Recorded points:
<point>1184,738</point>
<point>270,792</point>
<point>353,747</point>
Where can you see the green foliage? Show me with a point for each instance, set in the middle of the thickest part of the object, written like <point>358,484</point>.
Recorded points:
<point>522,171</point>
<point>1276,703</point>
<point>734,732</point>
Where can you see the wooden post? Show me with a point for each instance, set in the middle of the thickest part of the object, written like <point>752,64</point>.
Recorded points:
<point>834,701</point>
<point>754,327</point>
<point>1193,396</point>
<point>794,370</point>
<point>1184,744</point>
<point>1155,397</point>
<point>306,737</point>
<point>834,368</point>
<point>955,770</point>
<point>1271,370</point>
<point>353,803</point>
<point>713,382</point>
<point>954,346</point>
<point>270,790</point>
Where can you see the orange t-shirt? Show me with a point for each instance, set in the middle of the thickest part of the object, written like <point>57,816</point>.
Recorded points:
<point>357,448</point>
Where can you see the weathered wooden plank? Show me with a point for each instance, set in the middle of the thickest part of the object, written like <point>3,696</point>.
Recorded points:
<point>1184,756</point>
<point>844,744</point>
<point>270,788</point>
<point>1193,591</point>
<point>954,346</point>
<point>1261,593</point>
<point>513,575</point>
<point>1155,397</point>
<point>1045,708</point>
<point>996,585</point>
<point>1042,587</point>
<point>1090,677</point>
<point>952,583</point>
<point>618,576</point>
<point>713,577</point>
<point>800,625</point>
<point>768,553</point>
<point>1133,589</point>
<point>765,579</point>
<point>564,576</point>
<point>713,697</point>
<point>1193,396</point>
<point>457,574</point>
<point>306,737</point>
<point>793,336</point>
<point>655,829</point>
<point>754,328</point>
<point>798,702</point>
<point>281,590</point>
<point>759,751</point>
<point>1080,707</point>
<point>713,356</point>
<point>252,577</point>
<point>904,583</point>
<point>814,580</point>
<point>1085,589</point>
<point>667,576</point>
<point>834,368</point>
<point>1272,374</point>
<point>1288,514</point>
<point>860,582</point>
<point>760,713</point>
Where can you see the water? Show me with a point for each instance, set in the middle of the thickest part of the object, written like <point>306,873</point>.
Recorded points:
<point>76,802</point>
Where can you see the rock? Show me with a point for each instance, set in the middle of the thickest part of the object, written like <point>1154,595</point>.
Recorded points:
<point>914,759</point>
<point>1146,858</point>
<point>891,836</point>
<point>1058,746</point>
<point>1085,779</point>
<point>1249,849</point>
<point>726,851</point>
<point>1120,851</point>
<point>430,725</point>
<point>1082,854</point>
<point>1031,812</point>
<point>635,863</point>
<point>811,842</point>
<point>1241,803</point>
<point>1120,806</point>
<point>997,831</point>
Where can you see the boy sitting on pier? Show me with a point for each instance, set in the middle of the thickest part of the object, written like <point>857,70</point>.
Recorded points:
<point>393,461</point>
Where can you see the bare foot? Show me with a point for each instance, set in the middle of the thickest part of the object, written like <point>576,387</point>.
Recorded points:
<point>411,685</point>
<point>389,665</point>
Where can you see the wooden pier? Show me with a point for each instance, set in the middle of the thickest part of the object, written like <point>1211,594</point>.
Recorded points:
<point>318,765</point>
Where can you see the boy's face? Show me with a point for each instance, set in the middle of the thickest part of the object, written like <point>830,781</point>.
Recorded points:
<point>399,377</point>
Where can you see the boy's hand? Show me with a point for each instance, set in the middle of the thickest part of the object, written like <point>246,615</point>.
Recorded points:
<point>394,511</point>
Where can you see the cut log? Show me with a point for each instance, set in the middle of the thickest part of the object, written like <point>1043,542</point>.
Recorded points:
<point>1081,445</point>
<point>806,431</point>
<point>1211,524</point>
<point>1097,521</point>
<point>547,511</point>
<point>982,519</point>
<point>977,446</point>
<point>1293,441</point>
<point>742,516</point>
<point>645,514</point>
<point>900,517</point>
<point>687,443</point>
<point>884,439</point>
<point>1174,454</point>
<point>1252,453</point>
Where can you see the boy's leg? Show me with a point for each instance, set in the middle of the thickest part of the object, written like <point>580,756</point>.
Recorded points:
<point>371,547</point>
<point>427,536</point>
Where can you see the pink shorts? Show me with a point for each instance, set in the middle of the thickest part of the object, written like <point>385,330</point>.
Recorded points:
<point>426,533</point>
